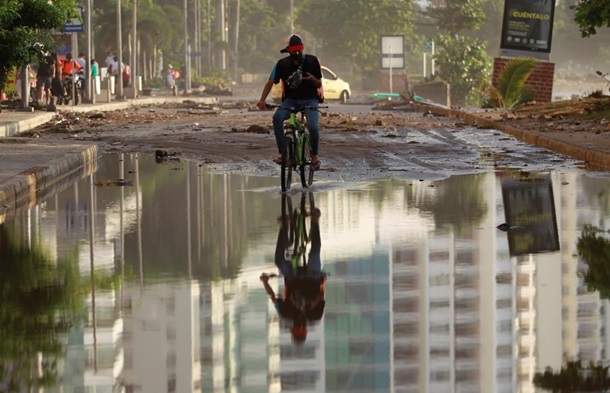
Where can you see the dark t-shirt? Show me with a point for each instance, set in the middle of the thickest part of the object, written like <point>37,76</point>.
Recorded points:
<point>44,68</point>
<point>309,288</point>
<point>286,67</point>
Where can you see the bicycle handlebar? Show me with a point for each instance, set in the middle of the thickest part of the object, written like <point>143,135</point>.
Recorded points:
<point>296,109</point>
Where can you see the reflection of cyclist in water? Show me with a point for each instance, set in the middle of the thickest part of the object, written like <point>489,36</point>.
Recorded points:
<point>304,286</point>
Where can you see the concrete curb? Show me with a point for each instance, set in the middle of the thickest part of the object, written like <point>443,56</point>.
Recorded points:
<point>14,124</point>
<point>140,101</point>
<point>595,159</point>
<point>29,185</point>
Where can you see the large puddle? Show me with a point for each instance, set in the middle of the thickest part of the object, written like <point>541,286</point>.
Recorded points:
<point>153,283</point>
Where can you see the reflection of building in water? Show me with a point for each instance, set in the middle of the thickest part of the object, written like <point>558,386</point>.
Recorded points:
<point>161,338</point>
<point>449,318</point>
<point>409,308</point>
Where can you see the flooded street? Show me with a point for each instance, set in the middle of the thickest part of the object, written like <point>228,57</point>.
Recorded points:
<point>146,277</point>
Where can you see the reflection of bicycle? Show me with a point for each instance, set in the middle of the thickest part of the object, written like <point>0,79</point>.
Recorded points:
<point>297,147</point>
<point>299,234</point>
<point>297,257</point>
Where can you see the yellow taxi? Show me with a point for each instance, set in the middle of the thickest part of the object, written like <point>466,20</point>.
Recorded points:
<point>334,87</point>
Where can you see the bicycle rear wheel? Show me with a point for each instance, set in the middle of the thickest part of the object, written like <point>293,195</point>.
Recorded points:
<point>287,162</point>
<point>305,168</point>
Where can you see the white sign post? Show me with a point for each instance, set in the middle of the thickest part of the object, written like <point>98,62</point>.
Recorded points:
<point>392,54</point>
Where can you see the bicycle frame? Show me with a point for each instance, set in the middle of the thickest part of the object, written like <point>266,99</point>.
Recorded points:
<point>297,147</point>
<point>297,128</point>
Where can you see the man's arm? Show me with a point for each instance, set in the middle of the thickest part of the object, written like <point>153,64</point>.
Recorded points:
<point>266,89</point>
<point>265,279</point>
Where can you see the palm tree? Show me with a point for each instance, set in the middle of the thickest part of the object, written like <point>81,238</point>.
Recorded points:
<point>511,91</point>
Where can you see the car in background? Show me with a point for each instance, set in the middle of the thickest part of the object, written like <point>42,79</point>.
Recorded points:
<point>334,87</point>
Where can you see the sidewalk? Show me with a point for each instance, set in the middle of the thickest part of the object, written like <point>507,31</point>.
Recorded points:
<point>31,168</point>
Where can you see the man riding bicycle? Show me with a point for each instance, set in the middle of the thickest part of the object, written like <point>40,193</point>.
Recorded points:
<point>304,287</point>
<point>301,78</point>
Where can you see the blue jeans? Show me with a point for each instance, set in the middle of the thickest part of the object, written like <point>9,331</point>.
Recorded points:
<point>313,117</point>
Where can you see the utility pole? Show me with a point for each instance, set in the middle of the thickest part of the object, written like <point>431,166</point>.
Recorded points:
<point>236,43</point>
<point>197,36</point>
<point>291,17</point>
<point>209,40</point>
<point>119,77</point>
<point>220,24</point>
<point>134,60</point>
<point>90,87</point>
<point>186,75</point>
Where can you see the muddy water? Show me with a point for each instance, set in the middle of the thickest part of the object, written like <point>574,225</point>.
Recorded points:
<point>153,282</point>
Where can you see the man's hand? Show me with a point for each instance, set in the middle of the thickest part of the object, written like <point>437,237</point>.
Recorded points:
<point>262,105</point>
<point>264,277</point>
<point>308,77</point>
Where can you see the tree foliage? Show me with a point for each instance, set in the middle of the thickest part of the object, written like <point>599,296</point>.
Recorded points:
<point>25,23</point>
<point>353,29</point>
<point>590,15</point>
<point>511,91</point>
<point>463,62</point>
<point>455,17</point>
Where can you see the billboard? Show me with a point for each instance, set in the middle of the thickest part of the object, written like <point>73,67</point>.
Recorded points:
<point>527,25</point>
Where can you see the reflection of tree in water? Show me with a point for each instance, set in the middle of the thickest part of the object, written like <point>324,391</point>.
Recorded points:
<point>595,251</point>
<point>458,201</point>
<point>596,193</point>
<point>38,302</point>
<point>574,378</point>
<point>221,228</point>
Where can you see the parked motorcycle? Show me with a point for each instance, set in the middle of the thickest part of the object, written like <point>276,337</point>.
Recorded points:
<point>76,82</point>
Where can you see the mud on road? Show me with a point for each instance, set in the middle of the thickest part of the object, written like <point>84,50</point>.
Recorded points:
<point>356,144</point>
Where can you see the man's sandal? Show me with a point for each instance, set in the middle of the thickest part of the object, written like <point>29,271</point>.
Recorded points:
<point>316,165</point>
<point>278,160</point>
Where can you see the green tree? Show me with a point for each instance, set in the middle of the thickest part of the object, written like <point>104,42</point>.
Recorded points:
<point>590,15</point>
<point>462,62</point>
<point>461,59</point>
<point>352,29</point>
<point>25,23</point>
<point>457,16</point>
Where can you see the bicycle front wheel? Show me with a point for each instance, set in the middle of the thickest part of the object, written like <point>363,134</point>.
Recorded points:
<point>305,168</point>
<point>287,162</point>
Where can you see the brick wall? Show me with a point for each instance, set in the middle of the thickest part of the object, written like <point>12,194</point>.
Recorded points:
<point>399,81</point>
<point>540,80</point>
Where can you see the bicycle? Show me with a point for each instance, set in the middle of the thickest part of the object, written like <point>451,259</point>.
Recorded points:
<point>297,147</point>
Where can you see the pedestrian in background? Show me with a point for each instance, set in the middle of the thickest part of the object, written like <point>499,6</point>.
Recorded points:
<point>57,89</point>
<point>95,73</point>
<point>44,77</point>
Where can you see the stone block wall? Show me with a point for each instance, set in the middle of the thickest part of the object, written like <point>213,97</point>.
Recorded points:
<point>540,80</point>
